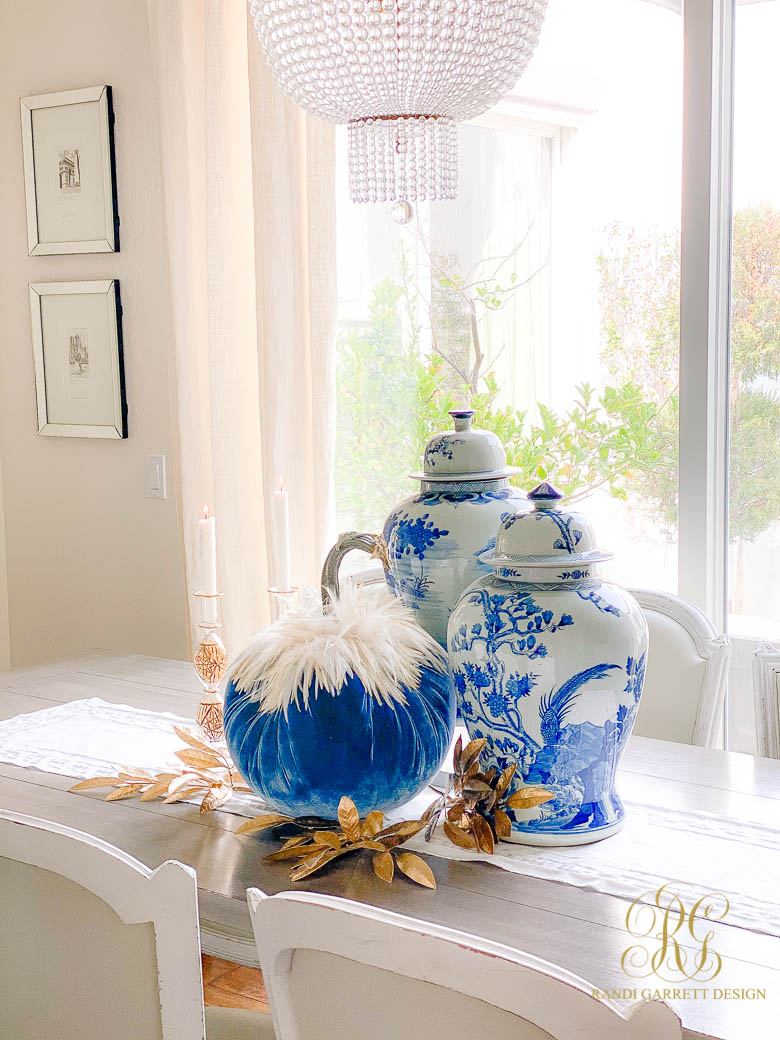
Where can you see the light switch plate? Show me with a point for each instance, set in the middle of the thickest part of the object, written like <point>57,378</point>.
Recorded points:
<point>154,470</point>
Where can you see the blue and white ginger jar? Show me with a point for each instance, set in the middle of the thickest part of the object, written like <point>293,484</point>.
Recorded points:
<point>548,663</point>
<point>436,538</point>
<point>352,700</point>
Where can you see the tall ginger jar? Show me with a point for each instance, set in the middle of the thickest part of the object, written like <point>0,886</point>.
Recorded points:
<point>433,542</point>
<point>436,538</point>
<point>548,662</point>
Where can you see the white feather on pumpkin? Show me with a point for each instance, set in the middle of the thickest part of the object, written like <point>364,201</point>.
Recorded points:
<point>366,632</point>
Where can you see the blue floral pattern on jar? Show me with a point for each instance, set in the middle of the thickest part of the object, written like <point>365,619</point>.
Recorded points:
<point>414,535</point>
<point>443,446</point>
<point>552,684</point>
<point>435,540</point>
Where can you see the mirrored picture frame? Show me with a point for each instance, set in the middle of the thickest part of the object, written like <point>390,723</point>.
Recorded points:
<point>79,360</point>
<point>70,171</point>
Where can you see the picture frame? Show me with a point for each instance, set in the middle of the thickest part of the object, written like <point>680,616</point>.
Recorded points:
<point>70,171</point>
<point>79,361</point>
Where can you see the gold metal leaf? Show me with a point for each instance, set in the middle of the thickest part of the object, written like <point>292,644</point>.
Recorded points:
<point>349,818</point>
<point>373,823</point>
<point>123,792</point>
<point>155,791</point>
<point>291,843</point>
<point>434,808</point>
<point>483,835</point>
<point>367,843</point>
<point>383,866</point>
<point>184,779</point>
<point>189,738</point>
<point>328,838</point>
<point>403,829</point>
<point>416,869</point>
<point>502,823</point>
<point>183,794</point>
<point>260,823</point>
<point>471,753</point>
<point>408,828</point>
<point>459,837</point>
<point>199,759</point>
<point>295,852</point>
<point>96,781</point>
<point>527,797</point>
<point>456,810</point>
<point>215,797</point>
<point>456,755</point>
<point>389,841</point>
<point>313,863</point>
<point>209,800</point>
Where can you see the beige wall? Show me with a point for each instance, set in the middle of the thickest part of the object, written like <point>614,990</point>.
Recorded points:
<point>5,647</point>
<point>90,561</point>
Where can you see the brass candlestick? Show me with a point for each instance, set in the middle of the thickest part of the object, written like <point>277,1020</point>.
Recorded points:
<point>210,662</point>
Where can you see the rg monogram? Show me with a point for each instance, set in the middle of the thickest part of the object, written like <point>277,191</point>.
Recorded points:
<point>675,944</point>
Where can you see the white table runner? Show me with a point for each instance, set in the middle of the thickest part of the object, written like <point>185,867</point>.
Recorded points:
<point>92,737</point>
<point>706,853</point>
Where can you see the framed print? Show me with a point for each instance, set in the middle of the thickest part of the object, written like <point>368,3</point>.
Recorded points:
<point>79,370</point>
<point>69,172</point>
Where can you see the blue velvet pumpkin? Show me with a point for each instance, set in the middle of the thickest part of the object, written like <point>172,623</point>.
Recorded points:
<point>314,738</point>
<point>381,755</point>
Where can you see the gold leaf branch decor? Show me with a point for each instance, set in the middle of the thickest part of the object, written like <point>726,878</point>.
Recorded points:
<point>207,769</point>
<point>474,809</point>
<point>314,849</point>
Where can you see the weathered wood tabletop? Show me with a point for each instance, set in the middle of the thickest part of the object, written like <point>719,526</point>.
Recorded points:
<point>581,930</point>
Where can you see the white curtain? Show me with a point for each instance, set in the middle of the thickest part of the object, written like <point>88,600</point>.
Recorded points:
<point>250,213</point>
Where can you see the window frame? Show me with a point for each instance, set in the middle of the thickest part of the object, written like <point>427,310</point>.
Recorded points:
<point>705,289</point>
<point>705,292</point>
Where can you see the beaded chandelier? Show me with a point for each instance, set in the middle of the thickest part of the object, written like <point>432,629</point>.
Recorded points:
<point>400,74</point>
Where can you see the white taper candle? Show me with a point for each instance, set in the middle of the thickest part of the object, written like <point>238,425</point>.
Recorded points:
<point>207,528</point>
<point>281,543</point>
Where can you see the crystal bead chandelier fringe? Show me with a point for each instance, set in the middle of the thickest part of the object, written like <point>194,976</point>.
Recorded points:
<point>400,73</point>
<point>412,157</point>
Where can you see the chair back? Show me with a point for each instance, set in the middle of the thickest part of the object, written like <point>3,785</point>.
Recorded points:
<point>766,687</point>
<point>685,677</point>
<point>339,970</point>
<point>93,944</point>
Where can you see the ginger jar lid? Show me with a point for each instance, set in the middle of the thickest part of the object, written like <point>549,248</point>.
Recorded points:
<point>464,453</point>
<point>547,536</point>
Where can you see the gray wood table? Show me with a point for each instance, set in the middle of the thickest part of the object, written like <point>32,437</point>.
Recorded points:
<point>580,930</point>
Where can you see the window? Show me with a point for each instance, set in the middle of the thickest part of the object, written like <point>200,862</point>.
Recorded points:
<point>407,348</point>
<point>549,287</point>
<point>754,384</point>
<point>556,287</point>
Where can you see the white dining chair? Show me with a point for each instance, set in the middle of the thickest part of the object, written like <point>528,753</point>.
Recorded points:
<point>94,945</point>
<point>766,689</point>
<point>686,670</point>
<point>339,970</point>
